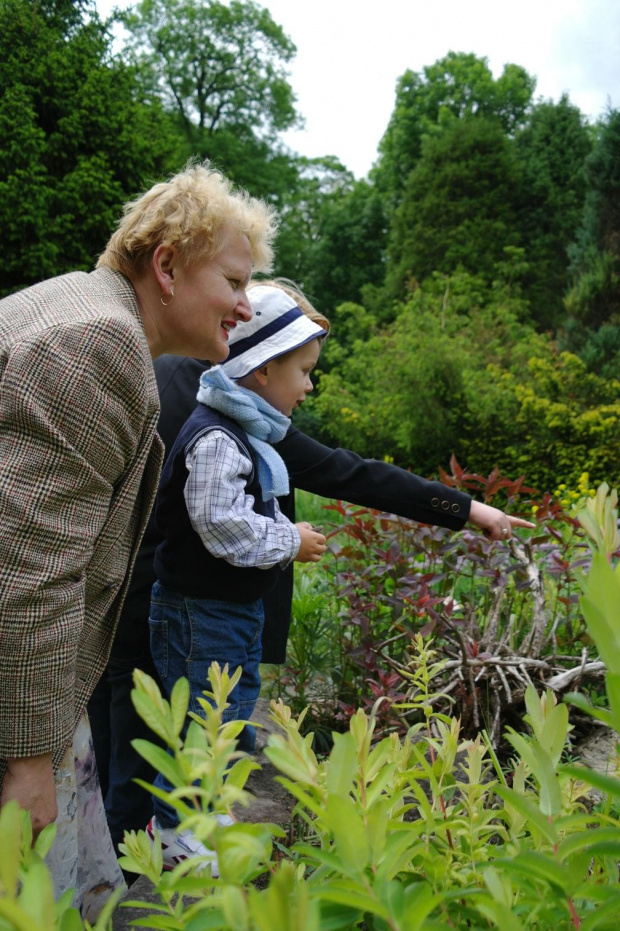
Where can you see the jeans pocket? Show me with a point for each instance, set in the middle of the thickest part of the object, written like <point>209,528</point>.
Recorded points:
<point>159,645</point>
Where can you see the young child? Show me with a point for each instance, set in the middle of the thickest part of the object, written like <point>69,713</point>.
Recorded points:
<point>224,539</point>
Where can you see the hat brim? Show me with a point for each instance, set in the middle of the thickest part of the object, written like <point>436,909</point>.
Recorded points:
<point>297,333</point>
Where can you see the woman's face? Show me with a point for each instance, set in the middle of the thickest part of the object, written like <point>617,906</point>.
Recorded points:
<point>209,299</point>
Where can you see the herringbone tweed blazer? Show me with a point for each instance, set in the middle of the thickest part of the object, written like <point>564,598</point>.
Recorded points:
<point>79,465</point>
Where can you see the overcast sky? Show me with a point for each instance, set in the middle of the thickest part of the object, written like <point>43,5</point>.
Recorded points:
<point>351,52</point>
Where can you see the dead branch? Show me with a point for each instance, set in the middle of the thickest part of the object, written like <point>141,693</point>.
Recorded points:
<point>522,552</point>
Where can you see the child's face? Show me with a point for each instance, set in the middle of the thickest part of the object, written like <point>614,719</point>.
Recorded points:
<point>288,378</point>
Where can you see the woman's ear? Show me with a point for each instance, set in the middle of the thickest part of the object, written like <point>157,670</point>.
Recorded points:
<point>164,263</point>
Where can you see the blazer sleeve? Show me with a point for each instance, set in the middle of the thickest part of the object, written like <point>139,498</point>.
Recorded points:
<point>73,407</point>
<point>341,473</point>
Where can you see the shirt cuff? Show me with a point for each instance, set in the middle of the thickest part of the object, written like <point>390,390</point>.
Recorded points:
<point>295,544</point>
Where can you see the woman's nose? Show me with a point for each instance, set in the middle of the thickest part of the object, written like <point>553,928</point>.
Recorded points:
<point>243,309</point>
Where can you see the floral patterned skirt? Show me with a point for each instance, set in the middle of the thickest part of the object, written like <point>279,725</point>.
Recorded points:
<point>83,855</point>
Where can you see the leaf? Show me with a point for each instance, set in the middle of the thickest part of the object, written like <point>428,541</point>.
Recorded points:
<point>179,704</point>
<point>529,811</point>
<point>601,608</point>
<point>45,840</point>
<point>11,833</point>
<point>235,908</point>
<point>543,769</point>
<point>349,832</point>
<point>580,701</point>
<point>602,915</point>
<point>544,868</point>
<point>342,765</point>
<point>72,921</point>
<point>590,839</point>
<point>286,761</point>
<point>307,800</point>
<point>207,921</point>
<point>239,772</point>
<point>152,716</point>
<point>18,919</point>
<point>608,784</point>
<point>160,760</point>
<point>419,901</point>
<point>353,895</point>
<point>36,896</point>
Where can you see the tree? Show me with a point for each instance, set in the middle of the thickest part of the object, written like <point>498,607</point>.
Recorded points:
<point>317,183</point>
<point>552,149</point>
<point>219,68</point>
<point>459,86</point>
<point>77,139</point>
<point>460,206</point>
<point>594,298</point>
<point>348,250</point>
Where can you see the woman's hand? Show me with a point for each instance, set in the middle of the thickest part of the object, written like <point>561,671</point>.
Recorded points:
<point>30,781</point>
<point>494,523</point>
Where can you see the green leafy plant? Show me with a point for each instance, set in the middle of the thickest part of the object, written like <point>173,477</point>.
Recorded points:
<point>424,831</point>
<point>27,901</point>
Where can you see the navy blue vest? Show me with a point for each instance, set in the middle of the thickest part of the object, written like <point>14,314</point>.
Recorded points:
<point>181,561</point>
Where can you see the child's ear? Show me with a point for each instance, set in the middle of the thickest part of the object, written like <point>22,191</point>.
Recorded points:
<point>262,374</point>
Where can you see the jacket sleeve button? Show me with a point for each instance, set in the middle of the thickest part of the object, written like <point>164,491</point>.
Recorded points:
<point>445,505</point>
<point>435,502</point>
<point>456,507</point>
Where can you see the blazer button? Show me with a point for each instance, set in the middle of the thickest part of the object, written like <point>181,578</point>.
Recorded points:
<point>445,505</point>
<point>435,502</point>
<point>456,507</point>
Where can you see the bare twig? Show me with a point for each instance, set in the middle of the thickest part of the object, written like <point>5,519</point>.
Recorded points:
<point>490,633</point>
<point>566,678</point>
<point>522,552</point>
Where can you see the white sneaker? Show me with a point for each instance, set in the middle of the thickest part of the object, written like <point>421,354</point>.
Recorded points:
<point>184,845</point>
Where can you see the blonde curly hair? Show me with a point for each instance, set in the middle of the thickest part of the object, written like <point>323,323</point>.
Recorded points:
<point>193,211</point>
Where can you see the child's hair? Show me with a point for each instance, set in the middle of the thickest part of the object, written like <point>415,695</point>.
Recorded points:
<point>295,292</point>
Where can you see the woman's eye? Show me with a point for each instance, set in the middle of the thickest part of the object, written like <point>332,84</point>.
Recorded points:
<point>234,283</point>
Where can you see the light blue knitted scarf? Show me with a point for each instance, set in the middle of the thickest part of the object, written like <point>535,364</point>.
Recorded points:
<point>262,423</point>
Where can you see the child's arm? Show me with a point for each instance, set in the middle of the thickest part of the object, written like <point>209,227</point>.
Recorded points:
<point>223,515</point>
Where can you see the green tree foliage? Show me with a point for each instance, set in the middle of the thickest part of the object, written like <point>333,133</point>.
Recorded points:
<point>458,86</point>
<point>460,206</point>
<point>595,296</point>
<point>314,184</point>
<point>220,71</point>
<point>346,251</point>
<point>77,139</point>
<point>459,371</point>
<point>551,148</point>
<point>219,68</point>
<point>549,418</point>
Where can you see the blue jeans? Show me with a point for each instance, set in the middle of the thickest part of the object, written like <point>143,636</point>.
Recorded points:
<point>187,635</point>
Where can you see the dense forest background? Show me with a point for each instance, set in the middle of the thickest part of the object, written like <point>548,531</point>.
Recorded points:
<point>473,279</point>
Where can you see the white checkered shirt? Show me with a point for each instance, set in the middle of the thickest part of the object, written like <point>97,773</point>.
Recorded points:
<point>222,513</point>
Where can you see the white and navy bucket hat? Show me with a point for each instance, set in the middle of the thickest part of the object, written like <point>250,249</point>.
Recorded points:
<point>277,326</point>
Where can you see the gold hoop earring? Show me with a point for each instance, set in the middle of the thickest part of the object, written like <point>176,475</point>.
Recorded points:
<point>167,303</point>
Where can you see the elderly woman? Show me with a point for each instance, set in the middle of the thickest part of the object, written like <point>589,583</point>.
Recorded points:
<point>80,465</point>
